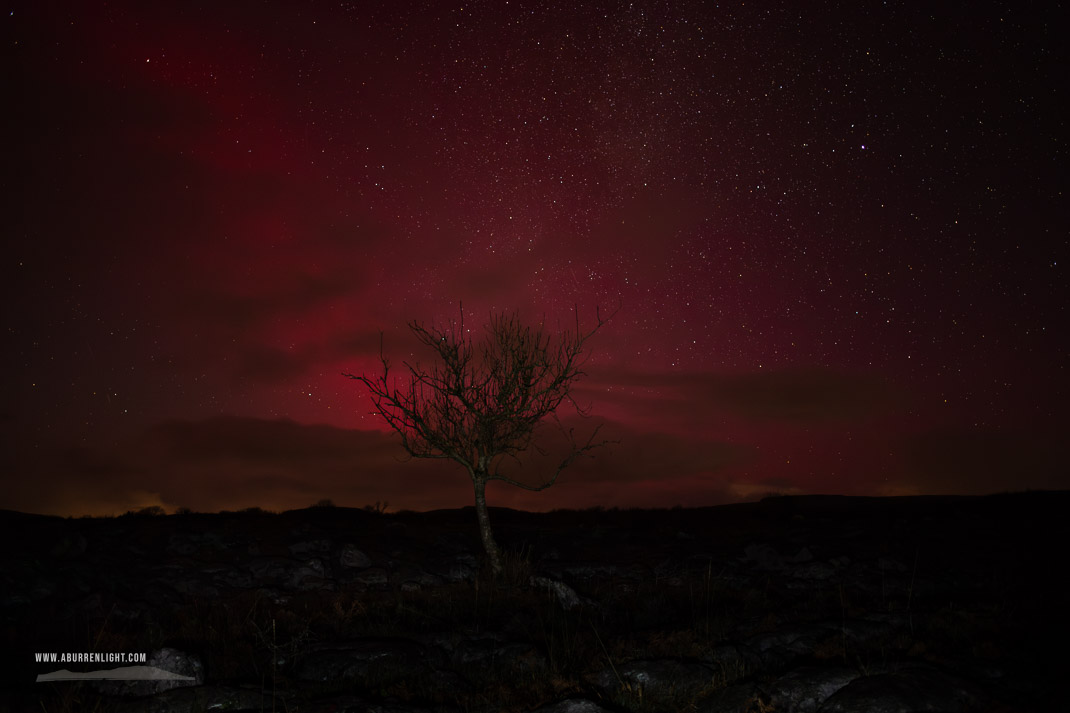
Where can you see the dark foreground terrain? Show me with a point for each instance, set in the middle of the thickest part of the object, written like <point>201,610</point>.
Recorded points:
<point>813,603</point>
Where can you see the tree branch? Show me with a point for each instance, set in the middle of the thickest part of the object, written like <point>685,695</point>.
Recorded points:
<point>475,405</point>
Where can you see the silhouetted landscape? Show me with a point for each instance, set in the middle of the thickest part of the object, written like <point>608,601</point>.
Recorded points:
<point>793,603</point>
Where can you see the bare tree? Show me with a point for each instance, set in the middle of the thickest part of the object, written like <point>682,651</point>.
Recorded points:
<point>479,405</point>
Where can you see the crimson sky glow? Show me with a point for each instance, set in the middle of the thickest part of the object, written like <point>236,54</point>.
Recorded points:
<point>837,232</point>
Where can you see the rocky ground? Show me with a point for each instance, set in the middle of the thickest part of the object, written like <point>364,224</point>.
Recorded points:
<point>812,603</point>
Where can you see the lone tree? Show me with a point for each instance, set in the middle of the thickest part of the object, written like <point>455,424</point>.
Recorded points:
<point>480,404</point>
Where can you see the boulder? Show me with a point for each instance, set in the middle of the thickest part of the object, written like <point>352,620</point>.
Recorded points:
<point>910,690</point>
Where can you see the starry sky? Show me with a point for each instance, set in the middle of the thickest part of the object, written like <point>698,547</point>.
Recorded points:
<point>836,232</point>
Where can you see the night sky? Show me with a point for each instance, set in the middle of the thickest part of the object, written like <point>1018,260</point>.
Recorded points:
<point>836,232</point>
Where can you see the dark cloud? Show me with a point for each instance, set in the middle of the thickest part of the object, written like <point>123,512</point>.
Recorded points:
<point>253,440</point>
<point>230,463</point>
<point>640,456</point>
<point>265,364</point>
<point>79,480</point>
<point>628,456</point>
<point>797,395</point>
<point>241,287</point>
<point>981,461</point>
<point>791,395</point>
<point>268,364</point>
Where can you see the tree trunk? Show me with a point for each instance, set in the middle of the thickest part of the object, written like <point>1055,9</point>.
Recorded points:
<point>485,533</point>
